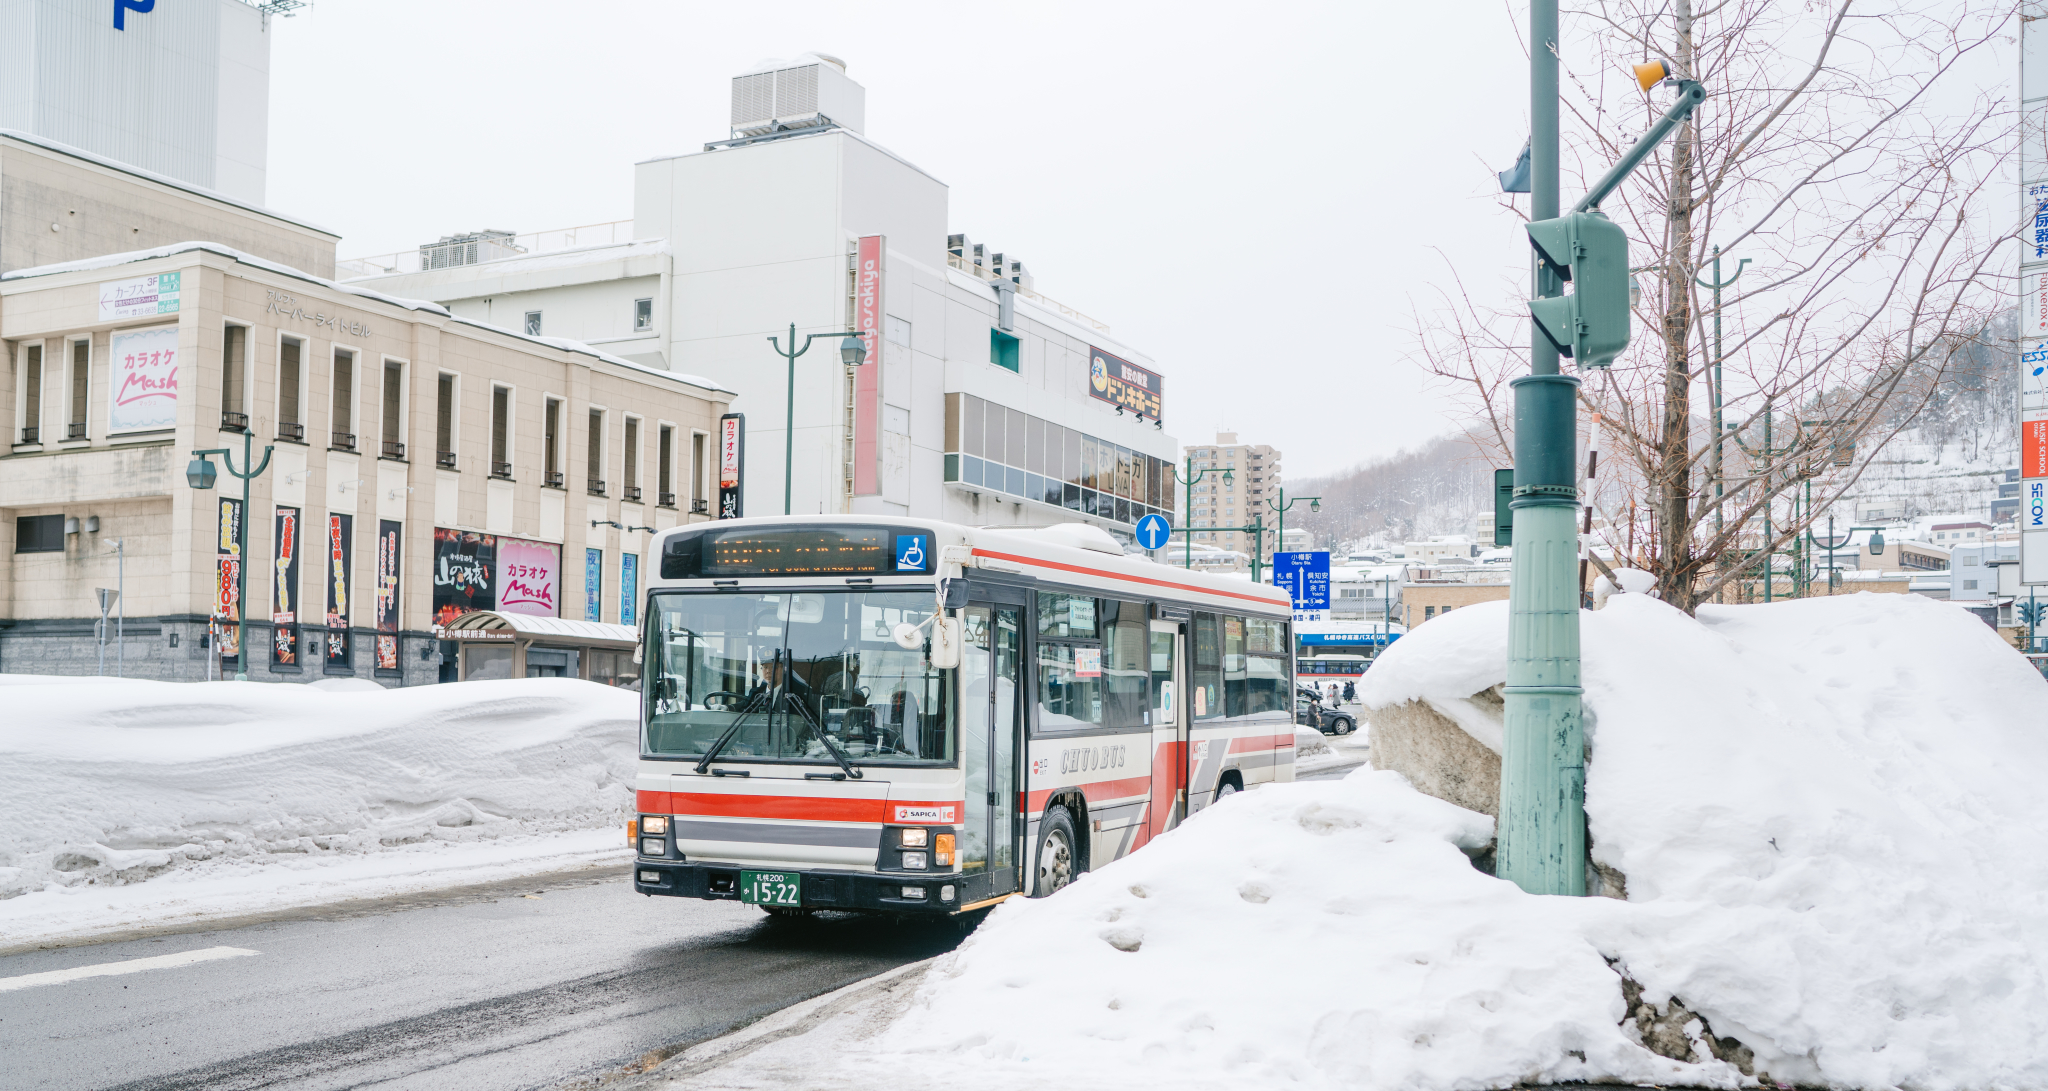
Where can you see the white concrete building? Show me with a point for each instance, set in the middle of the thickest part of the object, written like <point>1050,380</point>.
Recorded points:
<point>181,89</point>
<point>981,400</point>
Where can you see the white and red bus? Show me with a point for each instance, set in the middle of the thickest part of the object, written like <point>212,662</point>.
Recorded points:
<point>915,717</point>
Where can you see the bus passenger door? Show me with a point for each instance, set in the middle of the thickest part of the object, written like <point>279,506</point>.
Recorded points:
<point>1168,717</point>
<point>992,645</point>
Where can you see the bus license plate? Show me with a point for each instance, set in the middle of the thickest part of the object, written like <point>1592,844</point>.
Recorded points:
<point>771,888</point>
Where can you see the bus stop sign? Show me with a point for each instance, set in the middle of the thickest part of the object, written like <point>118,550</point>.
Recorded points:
<point>1153,531</point>
<point>1307,575</point>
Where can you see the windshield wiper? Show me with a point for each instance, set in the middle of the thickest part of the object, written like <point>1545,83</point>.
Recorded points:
<point>831,745</point>
<point>745,711</point>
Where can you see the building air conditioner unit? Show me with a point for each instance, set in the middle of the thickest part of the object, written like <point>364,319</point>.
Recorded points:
<point>810,91</point>
<point>473,248</point>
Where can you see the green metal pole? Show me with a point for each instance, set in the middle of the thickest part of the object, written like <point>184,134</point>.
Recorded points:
<point>1258,529</point>
<point>242,570</point>
<point>1542,832</point>
<point>1188,516</point>
<point>1770,577</point>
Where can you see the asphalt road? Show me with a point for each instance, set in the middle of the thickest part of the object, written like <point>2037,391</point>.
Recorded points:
<point>530,985</point>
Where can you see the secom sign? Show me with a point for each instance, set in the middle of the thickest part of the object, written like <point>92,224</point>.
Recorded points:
<point>123,7</point>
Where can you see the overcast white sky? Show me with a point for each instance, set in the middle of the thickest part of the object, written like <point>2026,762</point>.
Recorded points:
<point>1250,193</point>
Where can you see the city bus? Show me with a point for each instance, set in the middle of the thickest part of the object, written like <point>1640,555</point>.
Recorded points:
<point>1318,671</point>
<point>918,718</point>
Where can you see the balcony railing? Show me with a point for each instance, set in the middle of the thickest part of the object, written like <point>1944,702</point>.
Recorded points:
<point>552,479</point>
<point>76,430</point>
<point>480,251</point>
<point>446,459</point>
<point>632,492</point>
<point>342,441</point>
<point>700,507</point>
<point>234,422</point>
<point>394,449</point>
<point>289,430</point>
<point>666,499</point>
<point>501,469</point>
<point>596,486</point>
<point>31,435</point>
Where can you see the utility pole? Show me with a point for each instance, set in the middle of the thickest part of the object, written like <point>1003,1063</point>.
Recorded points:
<point>1714,394</point>
<point>199,473</point>
<point>852,352</point>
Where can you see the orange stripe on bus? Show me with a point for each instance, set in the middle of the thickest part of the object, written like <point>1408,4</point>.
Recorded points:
<point>1261,742</point>
<point>734,805</point>
<point>1086,571</point>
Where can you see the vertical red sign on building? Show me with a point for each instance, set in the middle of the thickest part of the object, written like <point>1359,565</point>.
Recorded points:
<point>2034,448</point>
<point>867,379</point>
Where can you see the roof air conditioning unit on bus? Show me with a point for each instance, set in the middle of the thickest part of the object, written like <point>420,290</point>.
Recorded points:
<point>812,90</point>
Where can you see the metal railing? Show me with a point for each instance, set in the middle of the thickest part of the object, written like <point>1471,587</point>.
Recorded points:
<point>341,441</point>
<point>394,449</point>
<point>443,255</point>
<point>289,430</point>
<point>596,486</point>
<point>446,459</point>
<point>552,479</point>
<point>501,469</point>
<point>76,430</point>
<point>965,266</point>
<point>632,492</point>
<point>666,499</point>
<point>700,507</point>
<point>234,422</point>
<point>31,435</point>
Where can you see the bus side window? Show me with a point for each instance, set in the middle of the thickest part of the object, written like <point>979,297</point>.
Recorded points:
<point>1235,679</point>
<point>1265,666</point>
<point>1208,692</point>
<point>1124,667</point>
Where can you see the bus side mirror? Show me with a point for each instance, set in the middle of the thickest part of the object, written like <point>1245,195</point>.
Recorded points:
<point>954,594</point>
<point>946,643</point>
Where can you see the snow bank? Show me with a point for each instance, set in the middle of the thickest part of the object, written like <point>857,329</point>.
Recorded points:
<point>133,783</point>
<point>1827,813</point>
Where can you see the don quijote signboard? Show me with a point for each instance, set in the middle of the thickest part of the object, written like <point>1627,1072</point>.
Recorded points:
<point>1115,380</point>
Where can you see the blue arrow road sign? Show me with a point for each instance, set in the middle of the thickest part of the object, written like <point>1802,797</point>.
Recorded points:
<point>1307,575</point>
<point>1153,531</point>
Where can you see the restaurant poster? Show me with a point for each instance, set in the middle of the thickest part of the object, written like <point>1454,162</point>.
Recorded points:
<point>465,565</point>
<point>227,570</point>
<point>529,577</point>
<point>389,533</point>
<point>340,547</point>
<point>284,598</point>
<point>629,588</point>
<point>593,585</point>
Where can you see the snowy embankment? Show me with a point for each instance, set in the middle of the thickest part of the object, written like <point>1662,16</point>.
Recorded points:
<point>146,801</point>
<point>1827,814</point>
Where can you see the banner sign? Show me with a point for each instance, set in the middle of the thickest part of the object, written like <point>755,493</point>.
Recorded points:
<point>389,535</point>
<point>1117,381</point>
<point>529,578</point>
<point>340,551</point>
<point>142,389</point>
<point>464,564</point>
<point>629,588</point>
<point>2036,247</point>
<point>284,601</point>
<point>227,572</point>
<point>593,585</point>
<point>867,379</point>
<point>732,465</point>
<point>143,297</point>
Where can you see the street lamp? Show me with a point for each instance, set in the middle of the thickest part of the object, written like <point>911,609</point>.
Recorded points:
<point>853,352</point>
<point>199,473</point>
<point>1834,577</point>
<point>1315,503</point>
<point>1188,518</point>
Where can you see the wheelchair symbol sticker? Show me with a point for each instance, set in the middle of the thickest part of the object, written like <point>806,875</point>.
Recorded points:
<point>910,553</point>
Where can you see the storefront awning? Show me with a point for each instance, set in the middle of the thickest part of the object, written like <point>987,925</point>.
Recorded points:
<point>489,625</point>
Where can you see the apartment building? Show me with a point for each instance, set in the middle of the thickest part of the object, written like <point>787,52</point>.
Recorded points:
<point>1221,507</point>
<point>415,466</point>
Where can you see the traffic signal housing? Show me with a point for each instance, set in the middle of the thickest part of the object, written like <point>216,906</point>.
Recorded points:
<point>1591,252</point>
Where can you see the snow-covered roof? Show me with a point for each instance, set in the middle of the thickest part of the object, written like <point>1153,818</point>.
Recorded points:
<point>161,179</point>
<point>559,628</point>
<point>514,264</point>
<point>108,261</point>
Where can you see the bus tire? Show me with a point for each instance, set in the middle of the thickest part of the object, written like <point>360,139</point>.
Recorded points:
<point>1057,859</point>
<point>1228,786</point>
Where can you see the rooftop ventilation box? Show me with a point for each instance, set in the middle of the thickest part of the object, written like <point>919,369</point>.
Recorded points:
<point>811,90</point>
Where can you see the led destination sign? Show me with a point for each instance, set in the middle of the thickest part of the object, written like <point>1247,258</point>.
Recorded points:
<point>798,551</point>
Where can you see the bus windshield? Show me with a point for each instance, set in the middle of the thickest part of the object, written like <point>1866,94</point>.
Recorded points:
<point>785,669</point>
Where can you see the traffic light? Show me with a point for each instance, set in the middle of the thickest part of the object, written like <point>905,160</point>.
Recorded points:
<point>1591,324</point>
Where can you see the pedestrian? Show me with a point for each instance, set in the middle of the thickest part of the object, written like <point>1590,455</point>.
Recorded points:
<point>1350,692</point>
<point>1333,695</point>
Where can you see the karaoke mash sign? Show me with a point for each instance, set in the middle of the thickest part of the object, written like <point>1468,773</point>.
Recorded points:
<point>142,395</point>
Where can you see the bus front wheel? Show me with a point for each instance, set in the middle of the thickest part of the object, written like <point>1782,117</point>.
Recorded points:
<point>1056,854</point>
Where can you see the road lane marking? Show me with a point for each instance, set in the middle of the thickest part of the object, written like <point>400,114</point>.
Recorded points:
<point>131,966</point>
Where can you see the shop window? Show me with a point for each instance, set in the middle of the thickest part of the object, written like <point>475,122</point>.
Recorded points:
<point>1002,350</point>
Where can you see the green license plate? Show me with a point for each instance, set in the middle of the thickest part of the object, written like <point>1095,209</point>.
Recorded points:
<point>771,888</point>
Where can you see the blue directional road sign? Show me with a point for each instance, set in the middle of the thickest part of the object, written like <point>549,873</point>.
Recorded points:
<point>1154,530</point>
<point>1307,575</point>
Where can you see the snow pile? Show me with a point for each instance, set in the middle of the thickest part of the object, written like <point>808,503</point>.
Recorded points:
<point>1827,813</point>
<point>153,781</point>
<point>1310,743</point>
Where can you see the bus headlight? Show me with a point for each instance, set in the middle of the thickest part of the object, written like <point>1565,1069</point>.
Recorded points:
<point>914,861</point>
<point>653,846</point>
<point>913,838</point>
<point>654,823</point>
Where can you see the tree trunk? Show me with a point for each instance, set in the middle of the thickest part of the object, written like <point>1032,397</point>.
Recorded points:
<point>1673,488</point>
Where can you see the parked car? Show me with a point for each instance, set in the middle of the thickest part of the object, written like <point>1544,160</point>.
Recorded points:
<point>1309,712</point>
